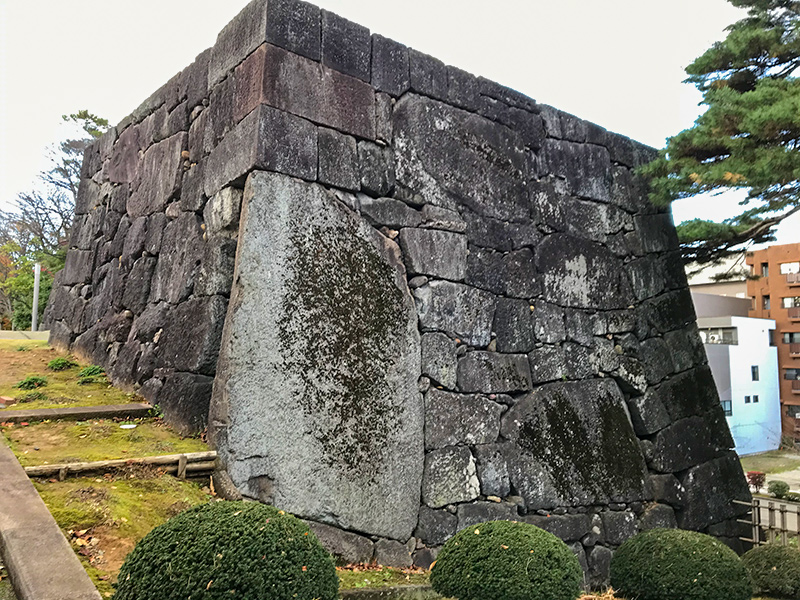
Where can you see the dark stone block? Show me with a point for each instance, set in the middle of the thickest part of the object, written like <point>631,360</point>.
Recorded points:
<point>520,276</point>
<point>388,212</point>
<point>670,311</point>
<point>346,547</point>
<point>191,337</point>
<point>449,477</point>
<point>618,526</point>
<point>193,196</point>
<point>463,89</point>
<point>390,66</point>
<point>586,168</point>
<point>686,348</point>
<point>376,165</point>
<point>691,393</point>
<point>657,516</point>
<point>485,270</point>
<point>646,277</point>
<point>427,75</point>
<point>266,139</point>
<point>548,363</point>
<point>599,561</point>
<point>452,419</point>
<point>648,413</point>
<point>184,401</point>
<point>657,232</point>
<point>667,489</point>
<point>549,323</point>
<point>440,254</point>
<point>486,232</point>
<point>216,269</point>
<point>156,224</point>
<point>435,527</point>
<point>218,118</point>
<point>656,359</point>
<point>78,267</point>
<point>137,284</point>
<point>568,528</point>
<point>162,171</point>
<point>475,513</point>
<point>492,470</point>
<point>193,81</point>
<point>178,262</point>
<point>458,310</point>
<point>346,46</point>
<point>312,91</point>
<point>688,443</point>
<point>514,325</point>
<point>425,557</point>
<point>123,166</point>
<point>392,553</point>
<point>90,196</point>
<point>134,242</point>
<point>710,487</point>
<point>439,359</point>
<point>338,160</point>
<point>197,137</point>
<point>493,373</point>
<point>546,465</point>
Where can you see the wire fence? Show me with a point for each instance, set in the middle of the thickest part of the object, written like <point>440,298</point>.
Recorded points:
<point>771,521</point>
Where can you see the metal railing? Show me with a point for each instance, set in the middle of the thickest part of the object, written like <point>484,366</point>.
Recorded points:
<point>771,521</point>
<point>793,278</point>
<point>794,312</point>
<point>794,349</point>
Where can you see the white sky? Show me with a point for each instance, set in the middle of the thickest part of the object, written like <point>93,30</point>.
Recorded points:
<point>618,63</point>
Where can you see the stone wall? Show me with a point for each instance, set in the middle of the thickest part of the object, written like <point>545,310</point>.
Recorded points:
<point>415,299</point>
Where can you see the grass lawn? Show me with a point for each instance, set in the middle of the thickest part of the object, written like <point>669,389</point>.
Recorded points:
<point>21,358</point>
<point>81,441</point>
<point>374,576</point>
<point>775,461</point>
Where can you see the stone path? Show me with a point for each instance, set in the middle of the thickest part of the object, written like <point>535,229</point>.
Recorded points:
<point>24,335</point>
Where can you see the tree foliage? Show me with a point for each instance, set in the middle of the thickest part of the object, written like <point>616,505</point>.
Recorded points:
<point>749,136</point>
<point>37,228</point>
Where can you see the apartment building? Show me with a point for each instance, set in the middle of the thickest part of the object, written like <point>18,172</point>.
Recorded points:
<point>775,291</point>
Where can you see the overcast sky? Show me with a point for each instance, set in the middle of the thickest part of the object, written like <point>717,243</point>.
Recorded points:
<point>618,63</point>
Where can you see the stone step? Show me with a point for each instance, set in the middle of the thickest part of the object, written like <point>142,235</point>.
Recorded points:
<point>77,413</point>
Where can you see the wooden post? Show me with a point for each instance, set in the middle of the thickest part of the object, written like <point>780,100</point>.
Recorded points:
<point>182,466</point>
<point>771,516</point>
<point>756,522</point>
<point>783,524</point>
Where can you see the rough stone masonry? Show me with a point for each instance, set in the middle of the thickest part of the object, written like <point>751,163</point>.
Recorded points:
<point>402,298</point>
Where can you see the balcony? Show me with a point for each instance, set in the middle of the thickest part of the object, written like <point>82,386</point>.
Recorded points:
<point>793,279</point>
<point>794,313</point>
<point>796,386</point>
<point>794,350</point>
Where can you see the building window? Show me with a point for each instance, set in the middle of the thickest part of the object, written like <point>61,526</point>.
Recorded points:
<point>790,268</point>
<point>765,269</point>
<point>791,302</point>
<point>747,399</point>
<point>766,302</point>
<point>720,335</point>
<point>754,372</point>
<point>727,407</point>
<point>791,374</point>
<point>791,337</point>
<point>755,399</point>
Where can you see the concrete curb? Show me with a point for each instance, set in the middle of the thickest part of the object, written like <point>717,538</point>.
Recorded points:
<point>40,561</point>
<point>77,413</point>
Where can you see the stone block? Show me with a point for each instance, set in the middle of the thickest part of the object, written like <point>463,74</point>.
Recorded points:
<point>548,363</point>
<point>493,373</point>
<point>346,285</point>
<point>485,270</point>
<point>439,359</point>
<point>193,81</point>
<point>191,337</point>
<point>618,526</point>
<point>427,75</point>
<point>304,88</point>
<point>391,553</point>
<point>338,160</point>
<point>289,24</point>
<point>193,196</point>
<point>668,489</point>
<point>710,487</point>
<point>390,66</point>
<point>433,252</point>
<point>429,160</point>
<point>514,325</point>
<point>388,212</point>
<point>686,348</point>
<point>161,174</point>
<point>571,269</point>
<point>450,476</point>
<point>688,443</point>
<point>519,270</point>
<point>599,560</point>
<point>456,309</point>
<point>435,217</point>
<point>549,325</point>
<point>691,393</point>
<point>184,401</point>
<point>492,470</point>
<point>452,419</point>
<point>134,242</point>
<point>565,527</point>
<point>669,311</point>
<point>78,267</point>
<point>435,527</point>
<point>266,139</point>
<point>221,213</point>
<point>547,468</point>
<point>181,249</point>
<point>215,275</point>
<point>586,168</point>
<point>123,166</point>
<point>218,118</point>
<point>346,46</point>
<point>470,515</point>
<point>376,166</point>
<point>657,516</point>
<point>137,284</point>
<point>156,223</point>
<point>346,547</point>
<point>384,105</point>
<point>656,359</point>
<point>657,232</point>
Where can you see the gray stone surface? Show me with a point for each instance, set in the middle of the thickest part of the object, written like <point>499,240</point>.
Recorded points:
<point>452,419</point>
<point>492,470</point>
<point>710,487</point>
<point>548,363</point>
<point>689,442</point>
<point>161,174</point>
<point>599,560</point>
<point>657,516</point>
<point>357,301</point>
<point>474,513</point>
<point>515,325</point>
<point>547,464</point>
<point>618,526</point>
<point>668,489</point>
<point>345,546</point>
<point>221,213</point>
<point>346,46</point>
<point>439,360</point>
<point>338,160</point>
<point>389,212</point>
<point>450,477</point>
<point>436,253</point>
<point>494,373</point>
<point>460,311</point>
<point>393,554</point>
<point>435,527</point>
<point>390,66</point>
<point>566,527</point>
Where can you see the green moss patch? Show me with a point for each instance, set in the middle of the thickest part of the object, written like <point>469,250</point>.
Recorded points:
<point>62,389</point>
<point>376,576</point>
<point>84,441</point>
<point>104,517</point>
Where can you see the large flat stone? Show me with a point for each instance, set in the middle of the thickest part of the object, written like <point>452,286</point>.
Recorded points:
<point>441,254</point>
<point>574,445</point>
<point>458,310</point>
<point>710,487</point>
<point>161,175</point>
<point>452,419</point>
<point>344,414</point>
<point>494,373</point>
<point>450,477</point>
<point>304,88</point>
<point>433,144</point>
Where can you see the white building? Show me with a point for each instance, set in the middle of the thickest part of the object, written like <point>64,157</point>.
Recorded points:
<point>744,364</point>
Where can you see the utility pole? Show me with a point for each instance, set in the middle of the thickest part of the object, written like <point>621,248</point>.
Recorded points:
<point>37,275</point>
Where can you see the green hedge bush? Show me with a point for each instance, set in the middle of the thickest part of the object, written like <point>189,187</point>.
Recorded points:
<point>229,550</point>
<point>775,570</point>
<point>779,489</point>
<point>506,560</point>
<point>666,564</point>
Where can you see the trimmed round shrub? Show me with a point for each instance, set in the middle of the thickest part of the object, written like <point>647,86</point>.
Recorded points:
<point>665,564</point>
<point>506,560</point>
<point>775,570</point>
<point>229,550</point>
<point>779,489</point>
